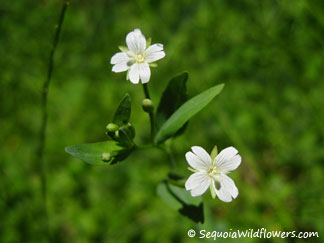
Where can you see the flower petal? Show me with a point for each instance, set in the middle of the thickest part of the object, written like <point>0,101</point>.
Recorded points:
<point>201,153</point>
<point>195,180</point>
<point>136,41</point>
<point>198,191</point>
<point>134,74</point>
<point>227,189</point>
<point>144,72</point>
<point>120,67</point>
<point>228,184</point>
<point>154,48</point>
<point>228,159</point>
<point>195,162</point>
<point>154,53</point>
<point>198,183</point>
<point>223,195</point>
<point>119,58</point>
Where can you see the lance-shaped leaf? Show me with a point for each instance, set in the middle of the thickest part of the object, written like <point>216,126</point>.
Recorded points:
<point>123,111</point>
<point>91,153</point>
<point>172,98</point>
<point>185,112</point>
<point>125,137</point>
<point>181,200</point>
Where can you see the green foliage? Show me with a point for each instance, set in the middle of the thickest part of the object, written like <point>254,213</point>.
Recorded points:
<point>119,149</point>
<point>180,199</point>
<point>172,98</point>
<point>92,153</point>
<point>176,91</point>
<point>123,111</point>
<point>185,112</point>
<point>125,136</point>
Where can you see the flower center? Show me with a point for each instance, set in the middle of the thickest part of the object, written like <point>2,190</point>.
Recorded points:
<point>214,171</point>
<point>140,58</point>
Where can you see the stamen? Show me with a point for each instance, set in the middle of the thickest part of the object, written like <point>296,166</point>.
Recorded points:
<point>140,58</point>
<point>214,171</point>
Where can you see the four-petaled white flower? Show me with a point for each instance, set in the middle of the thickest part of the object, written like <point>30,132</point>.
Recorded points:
<point>136,58</point>
<point>212,173</point>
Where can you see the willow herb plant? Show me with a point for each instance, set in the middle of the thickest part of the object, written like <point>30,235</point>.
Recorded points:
<point>168,120</point>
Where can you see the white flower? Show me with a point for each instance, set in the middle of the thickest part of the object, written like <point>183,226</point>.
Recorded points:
<point>136,58</point>
<point>212,173</point>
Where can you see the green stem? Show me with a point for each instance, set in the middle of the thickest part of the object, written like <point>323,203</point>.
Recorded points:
<point>151,114</point>
<point>42,137</point>
<point>146,91</point>
<point>143,147</point>
<point>163,149</point>
<point>169,154</point>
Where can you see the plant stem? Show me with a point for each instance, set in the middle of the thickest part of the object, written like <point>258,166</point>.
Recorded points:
<point>42,136</point>
<point>146,91</point>
<point>161,148</point>
<point>169,154</point>
<point>151,114</point>
<point>143,147</point>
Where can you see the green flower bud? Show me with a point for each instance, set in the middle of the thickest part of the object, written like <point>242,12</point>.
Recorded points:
<point>117,134</point>
<point>112,127</point>
<point>148,105</point>
<point>106,157</point>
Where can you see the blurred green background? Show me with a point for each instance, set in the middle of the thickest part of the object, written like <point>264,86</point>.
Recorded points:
<point>269,54</point>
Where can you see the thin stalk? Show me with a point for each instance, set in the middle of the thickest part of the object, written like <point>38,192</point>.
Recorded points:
<point>161,148</point>
<point>146,91</point>
<point>42,136</point>
<point>169,154</point>
<point>151,114</point>
<point>143,147</point>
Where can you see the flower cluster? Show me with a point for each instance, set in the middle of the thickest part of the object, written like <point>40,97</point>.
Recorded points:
<point>210,171</point>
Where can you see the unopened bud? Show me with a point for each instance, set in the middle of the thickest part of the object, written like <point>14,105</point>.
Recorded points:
<point>148,105</point>
<point>112,127</point>
<point>117,134</point>
<point>106,157</point>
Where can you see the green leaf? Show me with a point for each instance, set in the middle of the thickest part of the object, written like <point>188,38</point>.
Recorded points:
<point>172,98</point>
<point>125,137</point>
<point>167,197</point>
<point>185,112</point>
<point>91,153</point>
<point>123,111</point>
<point>131,129</point>
<point>182,201</point>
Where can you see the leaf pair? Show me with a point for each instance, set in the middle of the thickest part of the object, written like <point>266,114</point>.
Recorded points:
<point>126,132</point>
<point>172,98</point>
<point>119,149</point>
<point>173,113</point>
<point>174,110</point>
